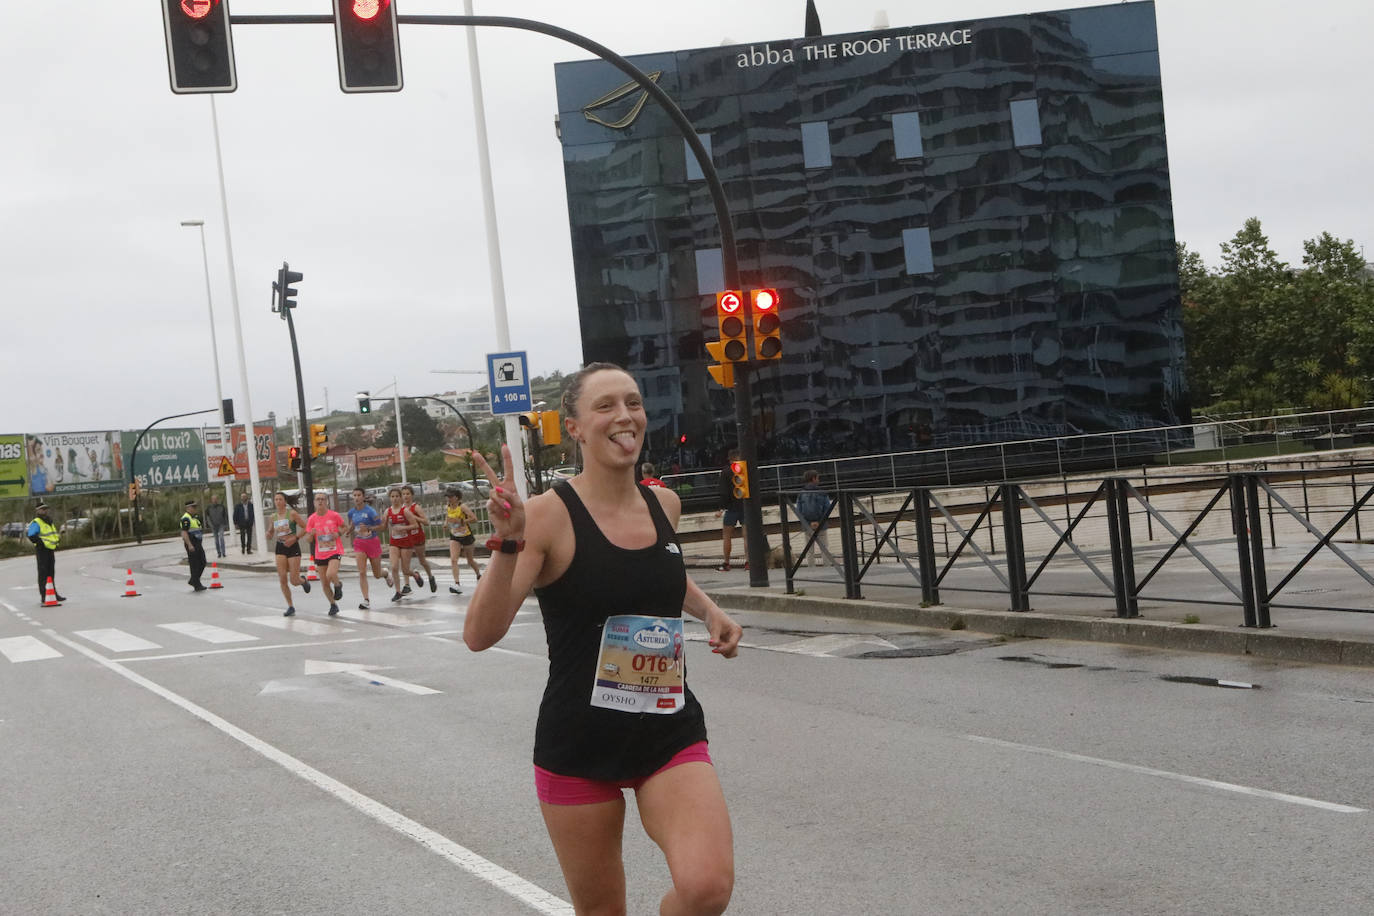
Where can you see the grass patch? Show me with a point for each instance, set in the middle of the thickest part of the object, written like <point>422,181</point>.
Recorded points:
<point>958,623</point>
<point>1191,618</point>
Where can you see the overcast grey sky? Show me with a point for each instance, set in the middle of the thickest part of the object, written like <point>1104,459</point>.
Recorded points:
<point>376,198</point>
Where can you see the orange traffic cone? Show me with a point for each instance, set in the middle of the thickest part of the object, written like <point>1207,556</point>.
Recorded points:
<point>313,576</point>
<point>130,591</point>
<point>214,576</point>
<point>50,597</point>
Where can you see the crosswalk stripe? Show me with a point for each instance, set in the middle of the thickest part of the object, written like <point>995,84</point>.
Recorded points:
<point>117,640</point>
<point>206,632</point>
<point>391,617</point>
<point>297,625</point>
<point>27,649</point>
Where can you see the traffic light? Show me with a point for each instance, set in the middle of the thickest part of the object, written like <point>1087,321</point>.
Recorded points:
<point>227,411</point>
<point>285,277</point>
<point>730,317</point>
<point>369,45</point>
<point>319,439</point>
<point>135,489</point>
<point>739,478</point>
<point>200,51</point>
<point>763,304</point>
<point>550,427</point>
<point>293,457</point>
<point>724,374</point>
<point>364,402</point>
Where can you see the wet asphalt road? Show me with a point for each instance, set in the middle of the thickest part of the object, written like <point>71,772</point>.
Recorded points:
<point>371,764</point>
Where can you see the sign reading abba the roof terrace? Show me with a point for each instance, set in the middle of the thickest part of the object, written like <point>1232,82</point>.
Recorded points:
<point>970,225</point>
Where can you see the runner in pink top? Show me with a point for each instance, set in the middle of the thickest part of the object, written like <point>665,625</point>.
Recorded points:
<point>326,529</point>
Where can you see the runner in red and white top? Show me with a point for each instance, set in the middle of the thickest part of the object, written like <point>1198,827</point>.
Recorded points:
<point>418,536</point>
<point>326,530</point>
<point>398,538</point>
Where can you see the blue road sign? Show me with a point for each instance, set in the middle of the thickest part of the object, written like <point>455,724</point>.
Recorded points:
<point>508,381</point>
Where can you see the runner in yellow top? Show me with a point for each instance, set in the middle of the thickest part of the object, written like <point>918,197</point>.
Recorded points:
<point>460,536</point>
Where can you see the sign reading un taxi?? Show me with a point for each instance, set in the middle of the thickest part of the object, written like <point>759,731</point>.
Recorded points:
<point>508,382</point>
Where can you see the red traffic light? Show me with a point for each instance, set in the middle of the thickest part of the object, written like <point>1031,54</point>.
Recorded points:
<point>682,440</point>
<point>197,9</point>
<point>765,299</point>
<point>729,301</point>
<point>367,9</point>
<point>737,467</point>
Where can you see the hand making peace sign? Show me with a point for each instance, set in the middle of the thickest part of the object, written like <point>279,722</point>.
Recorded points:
<point>504,508</point>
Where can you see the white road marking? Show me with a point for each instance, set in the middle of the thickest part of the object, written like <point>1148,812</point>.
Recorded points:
<point>297,625</point>
<point>1166,774</point>
<point>390,617</point>
<point>117,640</point>
<point>276,645</point>
<point>27,649</point>
<point>362,671</point>
<point>207,632</point>
<point>508,882</point>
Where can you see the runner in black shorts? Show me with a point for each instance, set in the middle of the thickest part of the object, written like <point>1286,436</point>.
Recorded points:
<point>602,556</point>
<point>460,537</point>
<point>282,527</point>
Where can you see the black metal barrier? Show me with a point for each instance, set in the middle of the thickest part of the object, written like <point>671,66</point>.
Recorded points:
<point>906,530</point>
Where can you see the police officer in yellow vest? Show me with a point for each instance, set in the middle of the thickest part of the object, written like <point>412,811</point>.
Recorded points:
<point>191,533</point>
<point>44,535</point>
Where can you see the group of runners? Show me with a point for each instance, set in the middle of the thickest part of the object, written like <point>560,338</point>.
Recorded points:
<point>327,531</point>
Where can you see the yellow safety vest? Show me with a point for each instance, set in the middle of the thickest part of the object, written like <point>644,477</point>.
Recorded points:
<point>47,533</point>
<point>195,524</point>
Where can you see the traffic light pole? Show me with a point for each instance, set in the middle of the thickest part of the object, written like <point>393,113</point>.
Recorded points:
<point>756,544</point>
<point>279,294</point>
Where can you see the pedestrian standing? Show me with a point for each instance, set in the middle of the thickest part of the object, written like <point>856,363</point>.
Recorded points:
<point>44,535</point>
<point>243,521</point>
<point>813,506</point>
<point>603,557</point>
<point>217,517</point>
<point>731,512</point>
<point>191,533</point>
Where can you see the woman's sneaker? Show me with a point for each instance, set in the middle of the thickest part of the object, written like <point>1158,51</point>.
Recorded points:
<point>455,589</point>
<point>333,610</point>
<point>419,579</point>
<point>338,591</point>
<point>305,585</point>
<point>364,606</point>
<point>396,597</point>
<point>433,586</point>
<point>290,612</point>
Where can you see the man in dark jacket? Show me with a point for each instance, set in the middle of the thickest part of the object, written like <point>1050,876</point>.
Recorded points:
<point>217,517</point>
<point>243,521</point>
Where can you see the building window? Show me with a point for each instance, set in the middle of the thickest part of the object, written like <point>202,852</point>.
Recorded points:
<point>694,172</point>
<point>710,272</point>
<point>916,246</point>
<point>906,135</point>
<point>816,144</point>
<point>1025,122</point>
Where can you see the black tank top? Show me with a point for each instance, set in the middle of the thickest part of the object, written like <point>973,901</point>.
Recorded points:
<point>572,737</point>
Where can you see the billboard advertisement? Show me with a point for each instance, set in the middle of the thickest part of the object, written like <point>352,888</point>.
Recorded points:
<point>266,443</point>
<point>62,463</point>
<point>168,457</point>
<point>14,472</point>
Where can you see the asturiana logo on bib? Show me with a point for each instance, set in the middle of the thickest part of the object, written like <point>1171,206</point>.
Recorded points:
<point>654,637</point>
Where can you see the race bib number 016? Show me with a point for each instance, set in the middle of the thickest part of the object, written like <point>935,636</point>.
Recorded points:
<point>641,667</point>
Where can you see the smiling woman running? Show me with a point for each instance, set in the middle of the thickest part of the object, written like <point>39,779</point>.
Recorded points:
<point>601,554</point>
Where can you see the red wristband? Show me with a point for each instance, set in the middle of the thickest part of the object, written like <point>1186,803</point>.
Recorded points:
<point>505,545</point>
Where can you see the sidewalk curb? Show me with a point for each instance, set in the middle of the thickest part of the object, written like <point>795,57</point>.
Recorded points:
<point>1158,634</point>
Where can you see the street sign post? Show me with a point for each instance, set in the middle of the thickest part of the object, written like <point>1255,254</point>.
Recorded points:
<point>508,383</point>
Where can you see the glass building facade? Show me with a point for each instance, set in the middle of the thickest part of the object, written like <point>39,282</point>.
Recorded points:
<point>969,224</point>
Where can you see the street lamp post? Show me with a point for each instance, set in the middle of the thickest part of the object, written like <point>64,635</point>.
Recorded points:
<point>214,355</point>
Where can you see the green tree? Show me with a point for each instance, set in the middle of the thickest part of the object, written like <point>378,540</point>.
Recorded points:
<point>420,431</point>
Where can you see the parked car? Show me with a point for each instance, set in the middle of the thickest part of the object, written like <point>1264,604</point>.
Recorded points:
<point>76,524</point>
<point>14,529</point>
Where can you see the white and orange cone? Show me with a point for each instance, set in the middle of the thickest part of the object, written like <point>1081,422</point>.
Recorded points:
<point>313,575</point>
<point>214,576</point>
<point>50,596</point>
<point>130,590</point>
